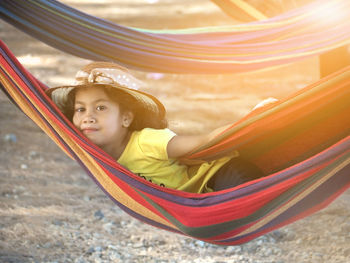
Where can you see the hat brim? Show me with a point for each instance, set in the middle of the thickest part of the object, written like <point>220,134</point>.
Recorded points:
<point>60,96</point>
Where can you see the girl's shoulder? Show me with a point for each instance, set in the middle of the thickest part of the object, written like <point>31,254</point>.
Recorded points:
<point>151,132</point>
<point>153,142</point>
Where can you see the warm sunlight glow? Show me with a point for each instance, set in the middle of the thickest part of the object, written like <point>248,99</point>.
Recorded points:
<point>331,13</point>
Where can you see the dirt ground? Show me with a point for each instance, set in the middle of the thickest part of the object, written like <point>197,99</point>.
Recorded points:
<point>51,211</point>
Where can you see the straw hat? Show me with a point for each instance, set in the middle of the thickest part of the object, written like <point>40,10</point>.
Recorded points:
<point>113,75</point>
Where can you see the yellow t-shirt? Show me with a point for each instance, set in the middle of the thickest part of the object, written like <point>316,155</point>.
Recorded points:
<point>146,155</point>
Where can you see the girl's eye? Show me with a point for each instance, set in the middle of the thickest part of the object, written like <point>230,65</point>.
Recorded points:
<point>99,108</point>
<point>79,109</point>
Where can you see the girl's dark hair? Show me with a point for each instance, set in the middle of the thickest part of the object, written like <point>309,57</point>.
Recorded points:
<point>143,118</point>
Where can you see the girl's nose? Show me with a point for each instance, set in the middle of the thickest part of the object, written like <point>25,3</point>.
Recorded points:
<point>89,118</point>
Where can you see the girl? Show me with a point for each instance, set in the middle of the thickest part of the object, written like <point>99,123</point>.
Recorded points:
<point>130,125</point>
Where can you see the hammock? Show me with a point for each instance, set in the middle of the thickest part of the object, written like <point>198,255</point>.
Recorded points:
<point>295,35</point>
<point>303,143</point>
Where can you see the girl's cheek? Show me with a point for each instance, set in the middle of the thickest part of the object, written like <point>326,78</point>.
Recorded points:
<point>75,120</point>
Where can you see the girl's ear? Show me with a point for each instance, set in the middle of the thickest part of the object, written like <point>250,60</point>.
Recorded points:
<point>128,117</point>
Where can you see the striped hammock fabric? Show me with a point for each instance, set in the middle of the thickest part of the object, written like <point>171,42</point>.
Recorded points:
<point>303,143</point>
<point>307,31</point>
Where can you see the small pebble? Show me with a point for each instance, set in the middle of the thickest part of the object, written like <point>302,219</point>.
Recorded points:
<point>98,249</point>
<point>33,155</point>
<point>200,243</point>
<point>10,137</point>
<point>91,250</point>
<point>99,215</point>
<point>108,227</point>
<point>112,247</point>
<point>57,222</point>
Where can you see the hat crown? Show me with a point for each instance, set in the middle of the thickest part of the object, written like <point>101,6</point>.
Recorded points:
<point>109,76</point>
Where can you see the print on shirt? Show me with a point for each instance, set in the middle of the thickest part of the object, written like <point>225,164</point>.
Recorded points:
<point>150,180</point>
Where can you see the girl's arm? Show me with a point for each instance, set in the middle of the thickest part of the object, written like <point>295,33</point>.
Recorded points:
<point>181,145</point>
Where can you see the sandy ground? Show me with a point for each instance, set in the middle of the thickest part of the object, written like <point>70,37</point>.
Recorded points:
<point>51,211</point>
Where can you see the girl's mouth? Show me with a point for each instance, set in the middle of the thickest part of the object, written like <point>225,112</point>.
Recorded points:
<point>89,130</point>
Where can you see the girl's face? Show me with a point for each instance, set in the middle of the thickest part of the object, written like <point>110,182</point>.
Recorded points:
<point>99,118</point>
